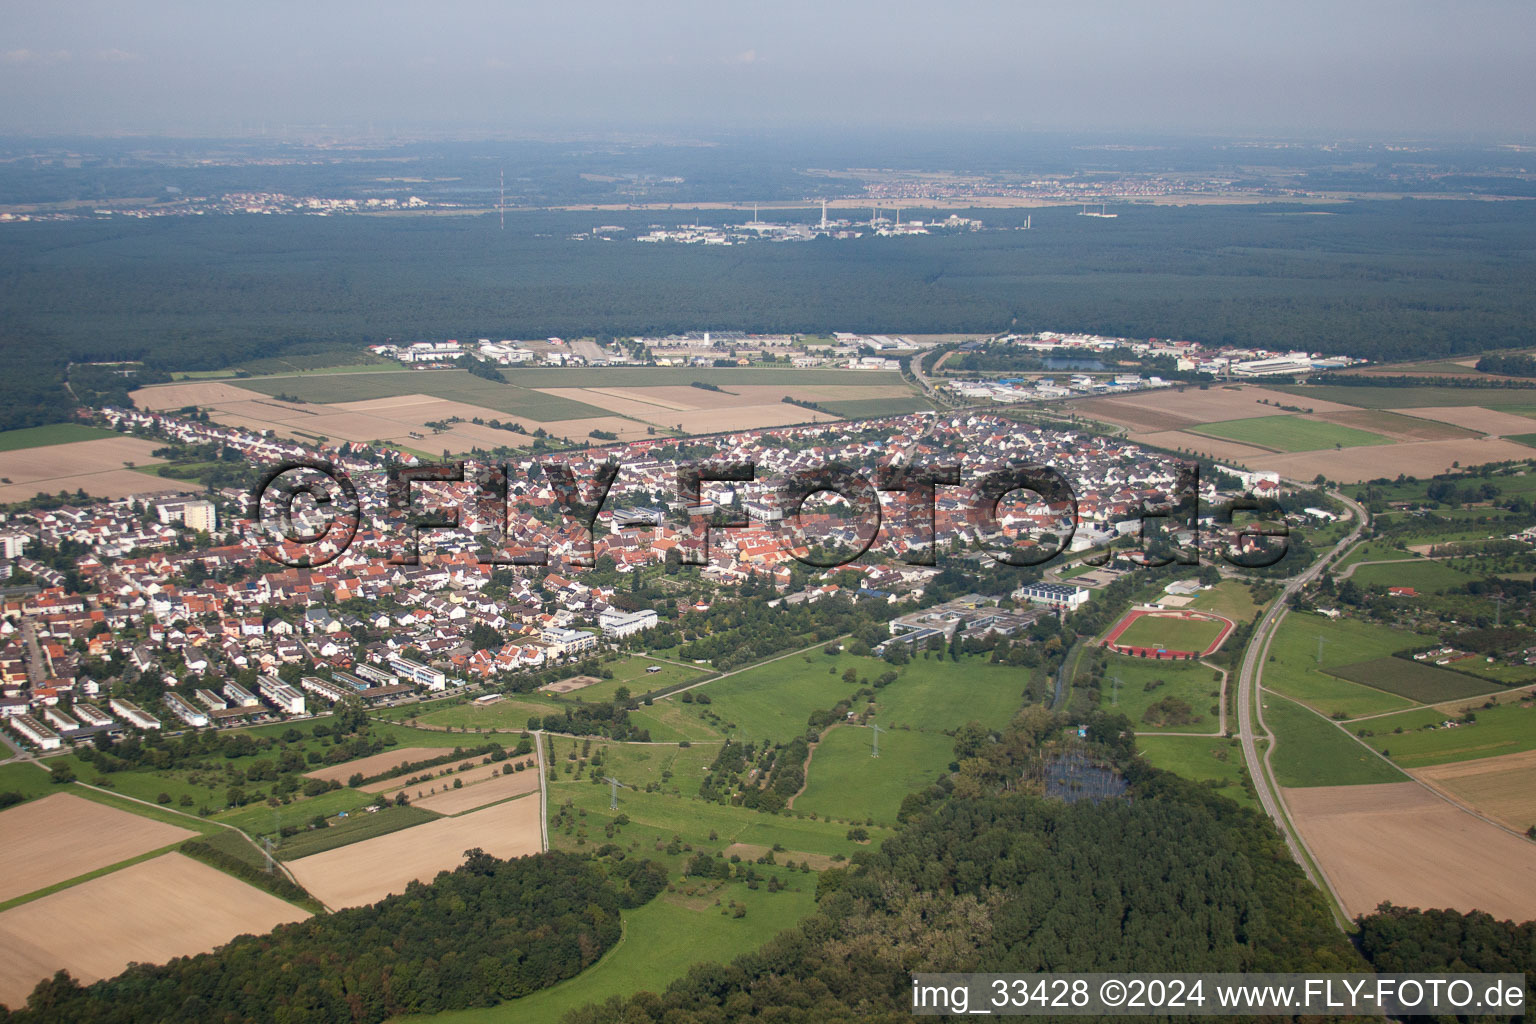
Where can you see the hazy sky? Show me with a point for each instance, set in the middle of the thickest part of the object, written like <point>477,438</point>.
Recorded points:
<point>1370,68</point>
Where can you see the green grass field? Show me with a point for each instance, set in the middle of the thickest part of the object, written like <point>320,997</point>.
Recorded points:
<point>1506,729</point>
<point>1218,762</point>
<point>1289,433</point>
<point>1171,634</point>
<point>1189,681</point>
<point>669,721</point>
<point>877,408</point>
<point>453,385</point>
<point>940,693</point>
<point>1365,397</point>
<point>1231,598</point>
<point>846,782</point>
<point>1311,751</point>
<point>676,770</point>
<point>510,715</point>
<point>352,829</point>
<point>55,433</point>
<point>653,376</point>
<point>1424,576</point>
<point>661,941</point>
<point>631,672</point>
<point>772,702</point>
<point>1415,680</point>
<point>1529,440</point>
<point>1293,668</point>
<point>27,779</point>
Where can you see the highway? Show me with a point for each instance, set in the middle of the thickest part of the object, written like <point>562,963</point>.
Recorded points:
<point>1248,680</point>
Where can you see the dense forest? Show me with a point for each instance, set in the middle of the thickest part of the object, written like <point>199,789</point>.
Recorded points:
<point>1401,940</point>
<point>1385,280</point>
<point>998,878</point>
<point>492,930</point>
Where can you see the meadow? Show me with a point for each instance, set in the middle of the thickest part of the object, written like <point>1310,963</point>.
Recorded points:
<point>1290,433</point>
<point>1215,761</point>
<point>1294,668</point>
<point>1311,751</point>
<point>1425,576</point>
<point>1189,681</point>
<point>661,941</point>
<point>1366,397</point>
<point>451,385</point>
<point>1505,729</point>
<point>846,782</point>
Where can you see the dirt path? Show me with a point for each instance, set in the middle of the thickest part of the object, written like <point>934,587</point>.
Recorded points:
<point>805,769</point>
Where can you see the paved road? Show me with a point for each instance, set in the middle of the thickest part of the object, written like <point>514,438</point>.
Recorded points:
<point>1248,687</point>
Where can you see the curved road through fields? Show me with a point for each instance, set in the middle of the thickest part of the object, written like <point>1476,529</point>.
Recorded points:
<point>1248,687</point>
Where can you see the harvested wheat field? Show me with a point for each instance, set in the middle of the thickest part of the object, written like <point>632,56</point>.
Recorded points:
<point>366,872</point>
<point>1398,426</point>
<point>1414,458</point>
<point>700,411</point>
<point>1474,417</point>
<point>479,792</point>
<point>62,836</point>
<point>1397,841</point>
<point>1135,417</point>
<point>202,392</point>
<point>1504,787</point>
<point>148,913</point>
<point>97,467</point>
<point>375,763</point>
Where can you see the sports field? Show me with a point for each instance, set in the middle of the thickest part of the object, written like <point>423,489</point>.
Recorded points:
<point>1176,633</point>
<point>845,782</point>
<point>1290,433</point>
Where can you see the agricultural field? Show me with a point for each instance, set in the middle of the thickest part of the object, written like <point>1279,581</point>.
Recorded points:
<point>1215,761</point>
<point>1416,399</point>
<point>147,913</point>
<point>1425,740</point>
<point>1189,681</point>
<point>374,764</point>
<point>1399,842</point>
<point>106,467</point>
<point>661,941</point>
<point>1290,433</point>
<point>1426,684</point>
<point>482,792</point>
<point>1500,787</point>
<point>367,871</point>
<point>54,433</point>
<point>1294,668</point>
<point>845,782</point>
<point>61,836</point>
<point>1311,751</point>
<point>351,829</point>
